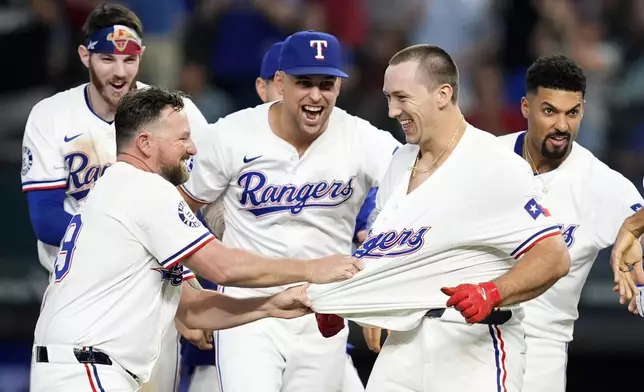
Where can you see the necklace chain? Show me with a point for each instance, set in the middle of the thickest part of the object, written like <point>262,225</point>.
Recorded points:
<point>526,154</point>
<point>415,169</point>
<point>533,167</point>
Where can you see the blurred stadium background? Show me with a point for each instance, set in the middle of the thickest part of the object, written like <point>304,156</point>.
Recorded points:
<point>212,49</point>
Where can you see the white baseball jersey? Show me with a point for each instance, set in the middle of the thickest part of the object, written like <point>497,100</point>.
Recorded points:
<point>468,222</point>
<point>280,204</point>
<point>117,279</point>
<point>589,201</point>
<point>66,145</point>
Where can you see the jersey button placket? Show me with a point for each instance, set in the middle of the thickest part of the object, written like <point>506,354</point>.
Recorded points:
<point>291,167</point>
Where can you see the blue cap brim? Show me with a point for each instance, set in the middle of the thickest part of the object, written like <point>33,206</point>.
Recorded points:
<point>325,71</point>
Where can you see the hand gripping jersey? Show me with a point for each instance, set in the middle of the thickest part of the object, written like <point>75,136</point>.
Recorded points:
<point>277,203</point>
<point>66,145</point>
<point>469,222</point>
<point>117,279</point>
<point>589,202</point>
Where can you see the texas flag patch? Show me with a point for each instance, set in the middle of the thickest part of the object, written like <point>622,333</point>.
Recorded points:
<point>535,209</point>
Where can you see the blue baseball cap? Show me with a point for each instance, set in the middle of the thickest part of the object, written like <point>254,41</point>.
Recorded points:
<point>311,53</point>
<point>271,61</point>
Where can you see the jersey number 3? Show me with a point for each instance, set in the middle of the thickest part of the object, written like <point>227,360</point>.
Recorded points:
<point>66,253</point>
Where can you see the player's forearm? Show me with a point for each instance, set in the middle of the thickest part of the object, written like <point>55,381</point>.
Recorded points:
<point>546,263</point>
<point>248,270</point>
<point>210,310</point>
<point>635,223</point>
<point>236,267</point>
<point>49,219</point>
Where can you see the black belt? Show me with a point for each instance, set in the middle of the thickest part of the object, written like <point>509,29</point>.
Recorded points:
<point>87,355</point>
<point>497,317</point>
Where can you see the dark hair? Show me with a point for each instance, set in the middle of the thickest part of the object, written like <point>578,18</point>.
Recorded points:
<point>141,107</point>
<point>555,72</point>
<point>106,15</point>
<point>435,65</point>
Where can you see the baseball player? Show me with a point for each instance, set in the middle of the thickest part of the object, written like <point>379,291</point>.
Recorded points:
<point>460,239</point>
<point>69,142</point>
<point>117,280</point>
<point>588,199</point>
<point>204,375</point>
<point>292,176</point>
<point>267,92</point>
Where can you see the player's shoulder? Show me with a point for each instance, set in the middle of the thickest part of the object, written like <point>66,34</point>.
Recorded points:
<point>347,122</point>
<point>60,103</point>
<point>510,140</point>
<point>130,193</point>
<point>595,173</point>
<point>125,178</point>
<point>495,147</point>
<point>246,121</point>
<point>237,128</point>
<point>490,157</point>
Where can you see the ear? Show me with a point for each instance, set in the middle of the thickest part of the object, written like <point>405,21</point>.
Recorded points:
<point>83,53</point>
<point>260,88</point>
<point>445,93</point>
<point>582,109</point>
<point>525,107</point>
<point>279,82</point>
<point>144,143</point>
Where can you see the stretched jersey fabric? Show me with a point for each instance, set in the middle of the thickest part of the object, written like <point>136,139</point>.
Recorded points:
<point>469,222</point>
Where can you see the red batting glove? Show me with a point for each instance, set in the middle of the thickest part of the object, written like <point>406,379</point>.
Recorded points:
<point>474,301</point>
<point>329,324</point>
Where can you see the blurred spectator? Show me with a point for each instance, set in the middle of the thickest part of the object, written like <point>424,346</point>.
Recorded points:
<point>564,28</point>
<point>466,29</point>
<point>627,96</point>
<point>231,36</point>
<point>76,11</point>
<point>31,40</point>
<point>211,101</point>
<point>160,19</point>
<point>27,30</point>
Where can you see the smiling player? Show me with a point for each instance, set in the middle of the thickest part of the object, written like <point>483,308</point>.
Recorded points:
<point>293,175</point>
<point>69,141</point>
<point>589,200</point>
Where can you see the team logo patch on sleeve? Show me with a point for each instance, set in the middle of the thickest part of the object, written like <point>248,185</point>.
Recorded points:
<point>635,207</point>
<point>535,209</point>
<point>27,160</point>
<point>187,216</point>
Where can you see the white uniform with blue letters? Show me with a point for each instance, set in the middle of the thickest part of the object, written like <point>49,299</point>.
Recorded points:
<point>116,284</point>
<point>469,222</point>
<point>67,146</point>
<point>280,204</point>
<point>590,201</point>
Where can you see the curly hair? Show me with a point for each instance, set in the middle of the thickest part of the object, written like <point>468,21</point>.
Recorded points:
<point>556,72</point>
